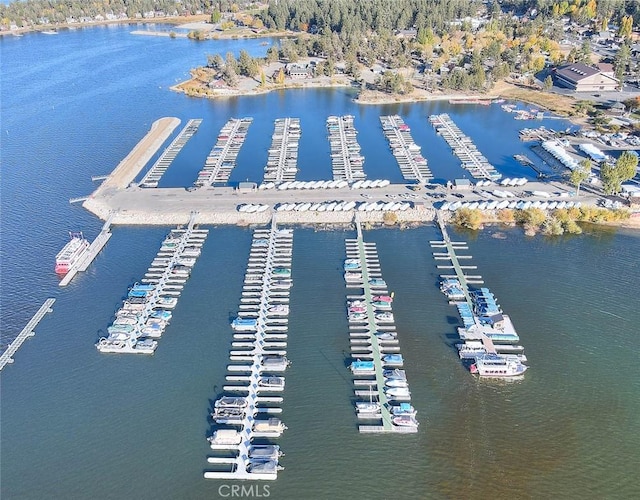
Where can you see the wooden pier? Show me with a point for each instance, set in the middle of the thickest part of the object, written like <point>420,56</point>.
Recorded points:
<point>93,251</point>
<point>27,331</point>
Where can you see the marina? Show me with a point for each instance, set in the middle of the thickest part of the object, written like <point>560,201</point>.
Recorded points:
<point>27,331</point>
<point>489,339</point>
<point>222,158</point>
<point>381,388</point>
<point>407,153</point>
<point>157,170</point>
<point>472,160</point>
<point>346,159</point>
<point>149,415</point>
<point>243,415</point>
<point>282,163</point>
<point>146,311</point>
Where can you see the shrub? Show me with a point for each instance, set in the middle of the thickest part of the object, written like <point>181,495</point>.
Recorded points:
<point>552,227</point>
<point>571,227</point>
<point>506,216</point>
<point>390,218</point>
<point>470,219</point>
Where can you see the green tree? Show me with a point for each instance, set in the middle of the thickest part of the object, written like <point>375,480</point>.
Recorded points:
<point>626,27</point>
<point>580,174</point>
<point>215,16</point>
<point>547,85</point>
<point>613,175</point>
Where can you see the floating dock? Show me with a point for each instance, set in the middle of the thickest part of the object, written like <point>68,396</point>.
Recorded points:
<point>472,160</point>
<point>407,153</point>
<point>155,173</point>
<point>92,252</point>
<point>346,159</point>
<point>243,415</point>
<point>382,390</point>
<point>146,312</point>
<point>222,158</point>
<point>27,331</point>
<point>486,329</point>
<point>282,164</point>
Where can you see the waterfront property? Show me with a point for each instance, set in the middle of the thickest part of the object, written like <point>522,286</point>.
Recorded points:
<point>582,78</point>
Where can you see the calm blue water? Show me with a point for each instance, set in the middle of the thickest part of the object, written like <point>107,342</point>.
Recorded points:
<point>77,424</point>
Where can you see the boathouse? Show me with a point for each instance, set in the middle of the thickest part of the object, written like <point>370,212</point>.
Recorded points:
<point>247,187</point>
<point>583,78</point>
<point>462,184</point>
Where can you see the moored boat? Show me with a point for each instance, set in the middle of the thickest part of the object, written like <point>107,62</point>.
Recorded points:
<point>71,253</point>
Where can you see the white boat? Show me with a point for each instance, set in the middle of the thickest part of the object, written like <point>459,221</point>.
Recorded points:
<point>497,366</point>
<point>272,427</point>
<point>367,407</point>
<point>263,468</point>
<point>397,392</point>
<point>265,451</point>
<point>403,409</point>
<point>224,438</point>
<point>405,421</point>
<point>349,206</point>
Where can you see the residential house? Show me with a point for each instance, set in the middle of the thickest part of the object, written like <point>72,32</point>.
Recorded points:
<point>299,71</point>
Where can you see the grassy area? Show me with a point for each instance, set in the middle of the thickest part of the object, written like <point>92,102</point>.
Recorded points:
<point>558,104</point>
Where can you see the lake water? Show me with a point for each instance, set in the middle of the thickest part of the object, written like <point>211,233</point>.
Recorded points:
<point>78,424</point>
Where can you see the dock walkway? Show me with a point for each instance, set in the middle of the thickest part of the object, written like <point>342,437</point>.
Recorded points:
<point>407,153</point>
<point>27,331</point>
<point>222,158</point>
<point>472,160</point>
<point>155,173</point>
<point>146,312</point>
<point>258,354</point>
<point>486,329</point>
<point>283,154</point>
<point>373,338</point>
<point>346,159</point>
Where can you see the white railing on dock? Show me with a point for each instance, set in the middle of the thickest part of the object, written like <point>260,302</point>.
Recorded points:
<point>27,331</point>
